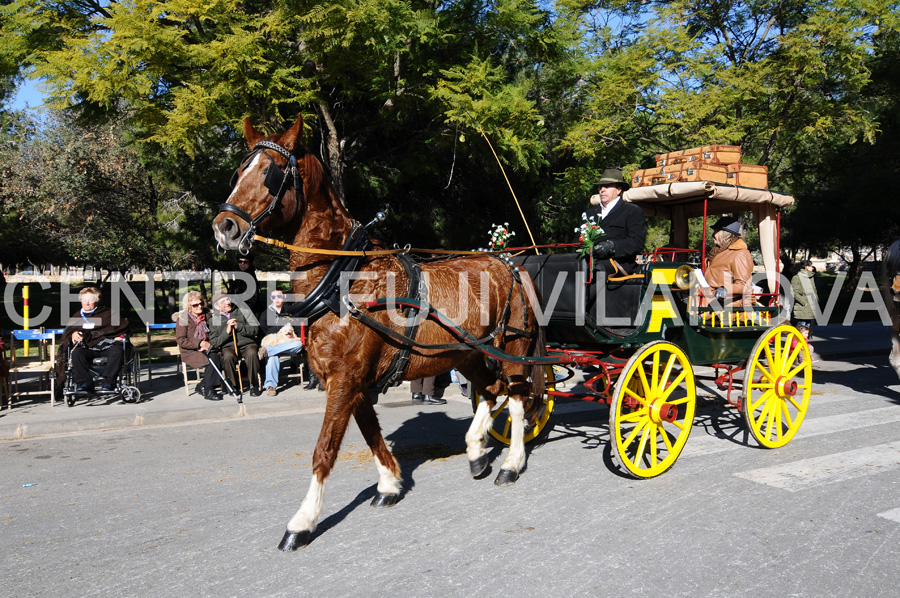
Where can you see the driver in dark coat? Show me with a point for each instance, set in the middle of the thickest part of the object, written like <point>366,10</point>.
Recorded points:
<point>623,224</point>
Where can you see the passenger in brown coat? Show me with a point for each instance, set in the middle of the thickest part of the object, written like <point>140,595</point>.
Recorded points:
<point>729,266</point>
<point>192,337</point>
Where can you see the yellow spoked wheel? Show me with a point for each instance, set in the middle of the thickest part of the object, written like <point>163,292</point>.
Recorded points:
<point>777,386</point>
<point>652,411</point>
<point>500,414</point>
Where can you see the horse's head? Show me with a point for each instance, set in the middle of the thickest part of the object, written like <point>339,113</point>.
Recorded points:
<point>267,188</point>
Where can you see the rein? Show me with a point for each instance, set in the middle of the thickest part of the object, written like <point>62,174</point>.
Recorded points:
<point>380,252</point>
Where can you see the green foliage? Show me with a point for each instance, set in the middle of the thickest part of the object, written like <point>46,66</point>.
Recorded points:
<point>81,196</point>
<point>406,102</point>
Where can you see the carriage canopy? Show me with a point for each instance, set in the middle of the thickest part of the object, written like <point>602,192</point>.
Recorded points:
<point>681,201</point>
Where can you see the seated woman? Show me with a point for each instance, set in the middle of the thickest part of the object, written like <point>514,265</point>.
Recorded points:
<point>729,265</point>
<point>192,336</point>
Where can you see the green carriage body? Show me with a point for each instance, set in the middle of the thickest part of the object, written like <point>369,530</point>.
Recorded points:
<point>638,337</point>
<point>708,336</point>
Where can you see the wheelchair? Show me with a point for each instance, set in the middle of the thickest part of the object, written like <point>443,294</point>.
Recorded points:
<point>126,385</point>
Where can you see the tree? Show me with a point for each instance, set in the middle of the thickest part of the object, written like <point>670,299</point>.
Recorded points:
<point>80,195</point>
<point>847,198</point>
<point>185,72</point>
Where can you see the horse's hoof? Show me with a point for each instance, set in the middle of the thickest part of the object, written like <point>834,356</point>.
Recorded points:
<point>385,500</point>
<point>506,477</point>
<point>478,466</point>
<point>294,540</point>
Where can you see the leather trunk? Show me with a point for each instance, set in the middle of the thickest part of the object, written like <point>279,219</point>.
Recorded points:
<point>748,175</point>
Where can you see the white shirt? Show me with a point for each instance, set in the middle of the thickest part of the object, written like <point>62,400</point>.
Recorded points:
<point>605,209</point>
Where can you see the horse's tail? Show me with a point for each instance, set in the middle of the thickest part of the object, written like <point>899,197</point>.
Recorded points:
<point>538,384</point>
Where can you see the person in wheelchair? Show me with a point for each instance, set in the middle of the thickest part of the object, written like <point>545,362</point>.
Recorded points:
<point>92,332</point>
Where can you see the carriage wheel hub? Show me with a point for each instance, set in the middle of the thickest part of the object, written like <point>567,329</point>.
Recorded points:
<point>661,411</point>
<point>785,387</point>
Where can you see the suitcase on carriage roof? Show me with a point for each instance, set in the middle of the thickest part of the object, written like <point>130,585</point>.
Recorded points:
<point>716,173</point>
<point>638,178</point>
<point>648,176</point>
<point>651,176</point>
<point>709,154</point>
<point>748,175</point>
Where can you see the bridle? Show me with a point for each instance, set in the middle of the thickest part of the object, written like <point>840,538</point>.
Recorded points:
<point>276,181</point>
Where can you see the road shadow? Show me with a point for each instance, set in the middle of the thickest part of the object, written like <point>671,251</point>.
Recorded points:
<point>428,436</point>
<point>863,376</point>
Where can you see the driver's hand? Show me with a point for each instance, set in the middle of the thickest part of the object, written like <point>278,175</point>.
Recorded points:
<point>76,336</point>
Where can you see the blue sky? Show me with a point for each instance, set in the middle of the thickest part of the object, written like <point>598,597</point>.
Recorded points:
<point>29,95</point>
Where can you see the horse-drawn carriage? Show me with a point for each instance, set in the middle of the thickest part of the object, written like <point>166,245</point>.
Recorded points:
<point>377,317</point>
<point>640,336</point>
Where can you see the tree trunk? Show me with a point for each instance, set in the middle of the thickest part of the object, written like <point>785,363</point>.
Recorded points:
<point>334,150</point>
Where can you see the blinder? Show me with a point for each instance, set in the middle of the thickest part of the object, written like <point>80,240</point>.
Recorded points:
<point>275,180</point>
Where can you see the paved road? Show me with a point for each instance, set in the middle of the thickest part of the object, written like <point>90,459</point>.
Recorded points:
<point>195,505</point>
<point>197,510</point>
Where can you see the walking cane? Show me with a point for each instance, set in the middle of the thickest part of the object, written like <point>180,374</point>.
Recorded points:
<point>222,378</point>
<point>238,355</point>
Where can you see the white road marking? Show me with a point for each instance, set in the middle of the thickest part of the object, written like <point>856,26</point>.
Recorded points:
<point>698,444</point>
<point>893,515</point>
<point>829,469</point>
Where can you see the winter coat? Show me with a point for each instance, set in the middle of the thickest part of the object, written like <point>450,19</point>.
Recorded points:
<point>626,227</point>
<point>96,329</point>
<point>732,268</point>
<point>806,298</point>
<point>187,342</point>
<point>245,333</point>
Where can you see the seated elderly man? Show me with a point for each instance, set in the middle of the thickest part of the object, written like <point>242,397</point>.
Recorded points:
<point>93,331</point>
<point>272,322</point>
<point>230,328</point>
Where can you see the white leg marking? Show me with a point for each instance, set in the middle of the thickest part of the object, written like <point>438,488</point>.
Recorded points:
<point>388,483</point>
<point>515,460</point>
<point>895,352</point>
<point>307,517</point>
<point>477,435</point>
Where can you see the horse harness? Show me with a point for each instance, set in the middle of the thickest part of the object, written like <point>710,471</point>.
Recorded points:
<point>276,181</point>
<point>326,296</point>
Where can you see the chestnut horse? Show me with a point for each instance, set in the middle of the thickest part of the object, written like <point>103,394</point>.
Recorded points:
<point>892,300</point>
<point>280,185</point>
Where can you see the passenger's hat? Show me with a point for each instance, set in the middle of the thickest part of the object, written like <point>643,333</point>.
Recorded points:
<point>613,176</point>
<point>728,224</point>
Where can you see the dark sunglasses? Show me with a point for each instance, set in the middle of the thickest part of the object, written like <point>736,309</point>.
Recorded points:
<point>277,295</point>
<point>196,304</point>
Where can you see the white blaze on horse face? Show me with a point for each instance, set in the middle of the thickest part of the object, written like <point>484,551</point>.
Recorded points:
<point>308,516</point>
<point>249,174</point>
